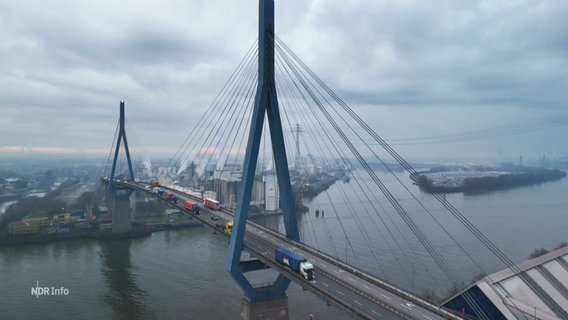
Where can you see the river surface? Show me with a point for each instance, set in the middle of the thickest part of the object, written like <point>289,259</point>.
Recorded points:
<point>180,274</point>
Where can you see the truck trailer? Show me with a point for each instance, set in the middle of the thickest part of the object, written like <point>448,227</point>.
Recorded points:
<point>192,206</point>
<point>295,262</point>
<point>211,203</point>
<point>171,197</point>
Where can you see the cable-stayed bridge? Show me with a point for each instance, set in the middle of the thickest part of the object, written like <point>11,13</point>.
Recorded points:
<point>363,295</point>
<point>254,126</point>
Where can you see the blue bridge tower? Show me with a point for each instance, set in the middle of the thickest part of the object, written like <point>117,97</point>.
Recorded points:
<point>118,198</point>
<point>261,299</point>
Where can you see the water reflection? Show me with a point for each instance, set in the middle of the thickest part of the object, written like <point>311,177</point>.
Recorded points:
<point>125,297</point>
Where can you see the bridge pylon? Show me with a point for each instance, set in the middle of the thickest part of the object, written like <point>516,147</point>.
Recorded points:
<point>266,103</point>
<point>121,137</point>
<point>118,198</point>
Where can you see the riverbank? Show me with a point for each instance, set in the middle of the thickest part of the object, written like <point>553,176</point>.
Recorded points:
<point>138,230</point>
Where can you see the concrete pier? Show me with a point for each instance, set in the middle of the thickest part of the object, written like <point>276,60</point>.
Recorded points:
<point>276,309</point>
<point>118,203</point>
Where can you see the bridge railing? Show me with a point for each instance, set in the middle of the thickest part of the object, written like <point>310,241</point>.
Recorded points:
<point>363,275</point>
<point>353,270</point>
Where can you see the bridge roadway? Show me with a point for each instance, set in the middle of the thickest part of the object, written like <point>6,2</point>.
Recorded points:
<point>359,293</point>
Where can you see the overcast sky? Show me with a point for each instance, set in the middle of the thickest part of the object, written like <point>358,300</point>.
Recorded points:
<point>412,69</point>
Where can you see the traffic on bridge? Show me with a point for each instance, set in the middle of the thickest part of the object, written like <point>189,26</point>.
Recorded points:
<point>335,281</point>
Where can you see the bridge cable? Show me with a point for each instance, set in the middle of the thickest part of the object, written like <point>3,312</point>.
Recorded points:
<point>355,216</point>
<point>223,113</point>
<point>206,118</point>
<point>406,188</point>
<point>112,148</point>
<point>317,145</point>
<point>286,91</point>
<point>223,110</point>
<point>243,123</point>
<point>134,142</point>
<point>492,247</point>
<point>415,229</point>
<point>327,230</point>
<point>203,121</point>
<point>343,158</point>
<point>345,163</point>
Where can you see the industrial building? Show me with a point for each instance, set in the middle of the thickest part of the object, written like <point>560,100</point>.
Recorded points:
<point>225,183</point>
<point>534,289</point>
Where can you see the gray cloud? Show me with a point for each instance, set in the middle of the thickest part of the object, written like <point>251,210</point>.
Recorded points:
<point>451,54</point>
<point>64,66</point>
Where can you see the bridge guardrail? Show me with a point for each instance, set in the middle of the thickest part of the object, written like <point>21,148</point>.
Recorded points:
<point>364,294</point>
<point>341,302</point>
<point>423,303</point>
<point>354,270</point>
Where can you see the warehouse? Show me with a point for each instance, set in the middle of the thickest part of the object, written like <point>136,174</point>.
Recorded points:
<point>534,289</point>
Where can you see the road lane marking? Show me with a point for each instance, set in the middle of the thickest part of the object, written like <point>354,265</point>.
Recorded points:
<point>425,316</point>
<point>375,312</point>
<point>386,297</point>
<point>325,284</point>
<point>341,293</point>
<point>357,302</point>
<point>407,305</point>
<point>366,287</point>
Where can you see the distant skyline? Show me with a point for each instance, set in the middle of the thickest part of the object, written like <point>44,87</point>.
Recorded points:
<point>471,81</point>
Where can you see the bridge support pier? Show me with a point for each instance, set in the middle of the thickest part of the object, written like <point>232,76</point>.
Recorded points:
<point>118,203</point>
<point>275,309</point>
<point>118,197</point>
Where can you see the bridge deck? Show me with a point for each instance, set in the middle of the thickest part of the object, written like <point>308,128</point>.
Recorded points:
<point>352,289</point>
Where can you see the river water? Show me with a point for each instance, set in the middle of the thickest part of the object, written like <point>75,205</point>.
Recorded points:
<point>180,274</point>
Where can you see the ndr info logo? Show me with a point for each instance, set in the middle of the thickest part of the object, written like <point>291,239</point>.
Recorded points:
<point>49,291</point>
